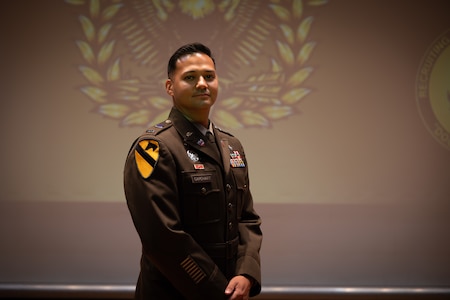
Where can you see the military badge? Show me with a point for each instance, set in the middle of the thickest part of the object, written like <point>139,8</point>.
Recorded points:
<point>192,155</point>
<point>146,155</point>
<point>201,142</point>
<point>199,166</point>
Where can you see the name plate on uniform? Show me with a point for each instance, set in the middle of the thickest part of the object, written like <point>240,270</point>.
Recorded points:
<point>201,178</point>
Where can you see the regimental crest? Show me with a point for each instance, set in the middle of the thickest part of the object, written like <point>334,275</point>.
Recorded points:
<point>433,89</point>
<point>146,155</point>
<point>262,50</point>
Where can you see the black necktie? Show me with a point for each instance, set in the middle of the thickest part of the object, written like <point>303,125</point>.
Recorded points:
<point>212,140</point>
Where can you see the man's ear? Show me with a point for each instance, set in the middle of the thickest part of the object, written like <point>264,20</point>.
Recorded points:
<point>169,87</point>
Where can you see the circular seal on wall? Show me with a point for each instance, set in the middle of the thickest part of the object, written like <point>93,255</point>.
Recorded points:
<point>433,89</point>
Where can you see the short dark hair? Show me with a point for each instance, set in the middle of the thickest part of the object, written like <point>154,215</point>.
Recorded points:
<point>186,50</point>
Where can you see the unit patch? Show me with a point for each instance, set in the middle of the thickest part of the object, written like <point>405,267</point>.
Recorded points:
<point>146,155</point>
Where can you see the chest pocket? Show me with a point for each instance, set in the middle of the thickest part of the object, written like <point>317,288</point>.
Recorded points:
<point>201,201</point>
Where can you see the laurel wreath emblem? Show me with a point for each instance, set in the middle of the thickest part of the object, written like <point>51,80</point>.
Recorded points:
<point>258,100</point>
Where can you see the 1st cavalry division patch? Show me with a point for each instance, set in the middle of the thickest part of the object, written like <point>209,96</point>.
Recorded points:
<point>146,155</point>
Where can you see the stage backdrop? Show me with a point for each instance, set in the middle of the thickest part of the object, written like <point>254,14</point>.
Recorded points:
<point>343,108</point>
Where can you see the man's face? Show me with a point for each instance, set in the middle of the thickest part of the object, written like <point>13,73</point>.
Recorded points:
<point>194,85</point>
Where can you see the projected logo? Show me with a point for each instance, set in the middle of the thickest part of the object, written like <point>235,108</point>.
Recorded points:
<point>433,89</point>
<point>262,49</point>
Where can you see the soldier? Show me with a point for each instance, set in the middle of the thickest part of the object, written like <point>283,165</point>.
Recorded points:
<point>187,189</point>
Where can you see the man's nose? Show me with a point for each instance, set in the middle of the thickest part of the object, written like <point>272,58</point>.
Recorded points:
<point>201,83</point>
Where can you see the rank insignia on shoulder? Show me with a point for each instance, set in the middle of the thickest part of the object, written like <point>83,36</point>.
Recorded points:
<point>146,155</point>
<point>158,128</point>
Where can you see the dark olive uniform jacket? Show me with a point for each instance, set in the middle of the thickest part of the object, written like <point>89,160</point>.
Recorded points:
<point>193,211</point>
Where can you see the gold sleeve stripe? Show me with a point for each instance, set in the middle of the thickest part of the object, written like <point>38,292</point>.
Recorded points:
<point>193,270</point>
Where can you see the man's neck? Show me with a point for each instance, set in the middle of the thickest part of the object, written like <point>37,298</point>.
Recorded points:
<point>201,118</point>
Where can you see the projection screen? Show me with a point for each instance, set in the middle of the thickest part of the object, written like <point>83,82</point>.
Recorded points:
<point>343,108</point>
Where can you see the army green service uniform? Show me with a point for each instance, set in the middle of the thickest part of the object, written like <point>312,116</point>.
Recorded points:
<point>190,202</point>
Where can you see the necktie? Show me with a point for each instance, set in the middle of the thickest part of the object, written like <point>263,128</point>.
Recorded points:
<point>212,140</point>
<point>210,137</point>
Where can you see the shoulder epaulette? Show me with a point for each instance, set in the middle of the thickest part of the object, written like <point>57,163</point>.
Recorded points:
<point>226,132</point>
<point>158,128</point>
<point>152,131</point>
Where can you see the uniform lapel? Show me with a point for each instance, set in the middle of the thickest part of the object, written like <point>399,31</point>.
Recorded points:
<point>225,151</point>
<point>200,143</point>
<point>193,137</point>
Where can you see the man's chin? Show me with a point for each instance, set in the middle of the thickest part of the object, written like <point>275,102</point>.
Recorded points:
<point>206,103</point>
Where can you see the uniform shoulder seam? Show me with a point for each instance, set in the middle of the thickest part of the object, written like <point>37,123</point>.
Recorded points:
<point>223,131</point>
<point>158,128</point>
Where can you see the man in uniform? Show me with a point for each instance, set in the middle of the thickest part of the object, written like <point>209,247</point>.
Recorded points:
<point>187,189</point>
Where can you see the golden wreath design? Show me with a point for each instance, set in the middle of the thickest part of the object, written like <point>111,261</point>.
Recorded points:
<point>258,100</point>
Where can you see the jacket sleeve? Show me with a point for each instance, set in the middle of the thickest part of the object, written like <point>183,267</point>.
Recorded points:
<point>248,260</point>
<point>154,207</point>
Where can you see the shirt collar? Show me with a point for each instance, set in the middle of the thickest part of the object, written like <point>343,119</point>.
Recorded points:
<point>204,130</point>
